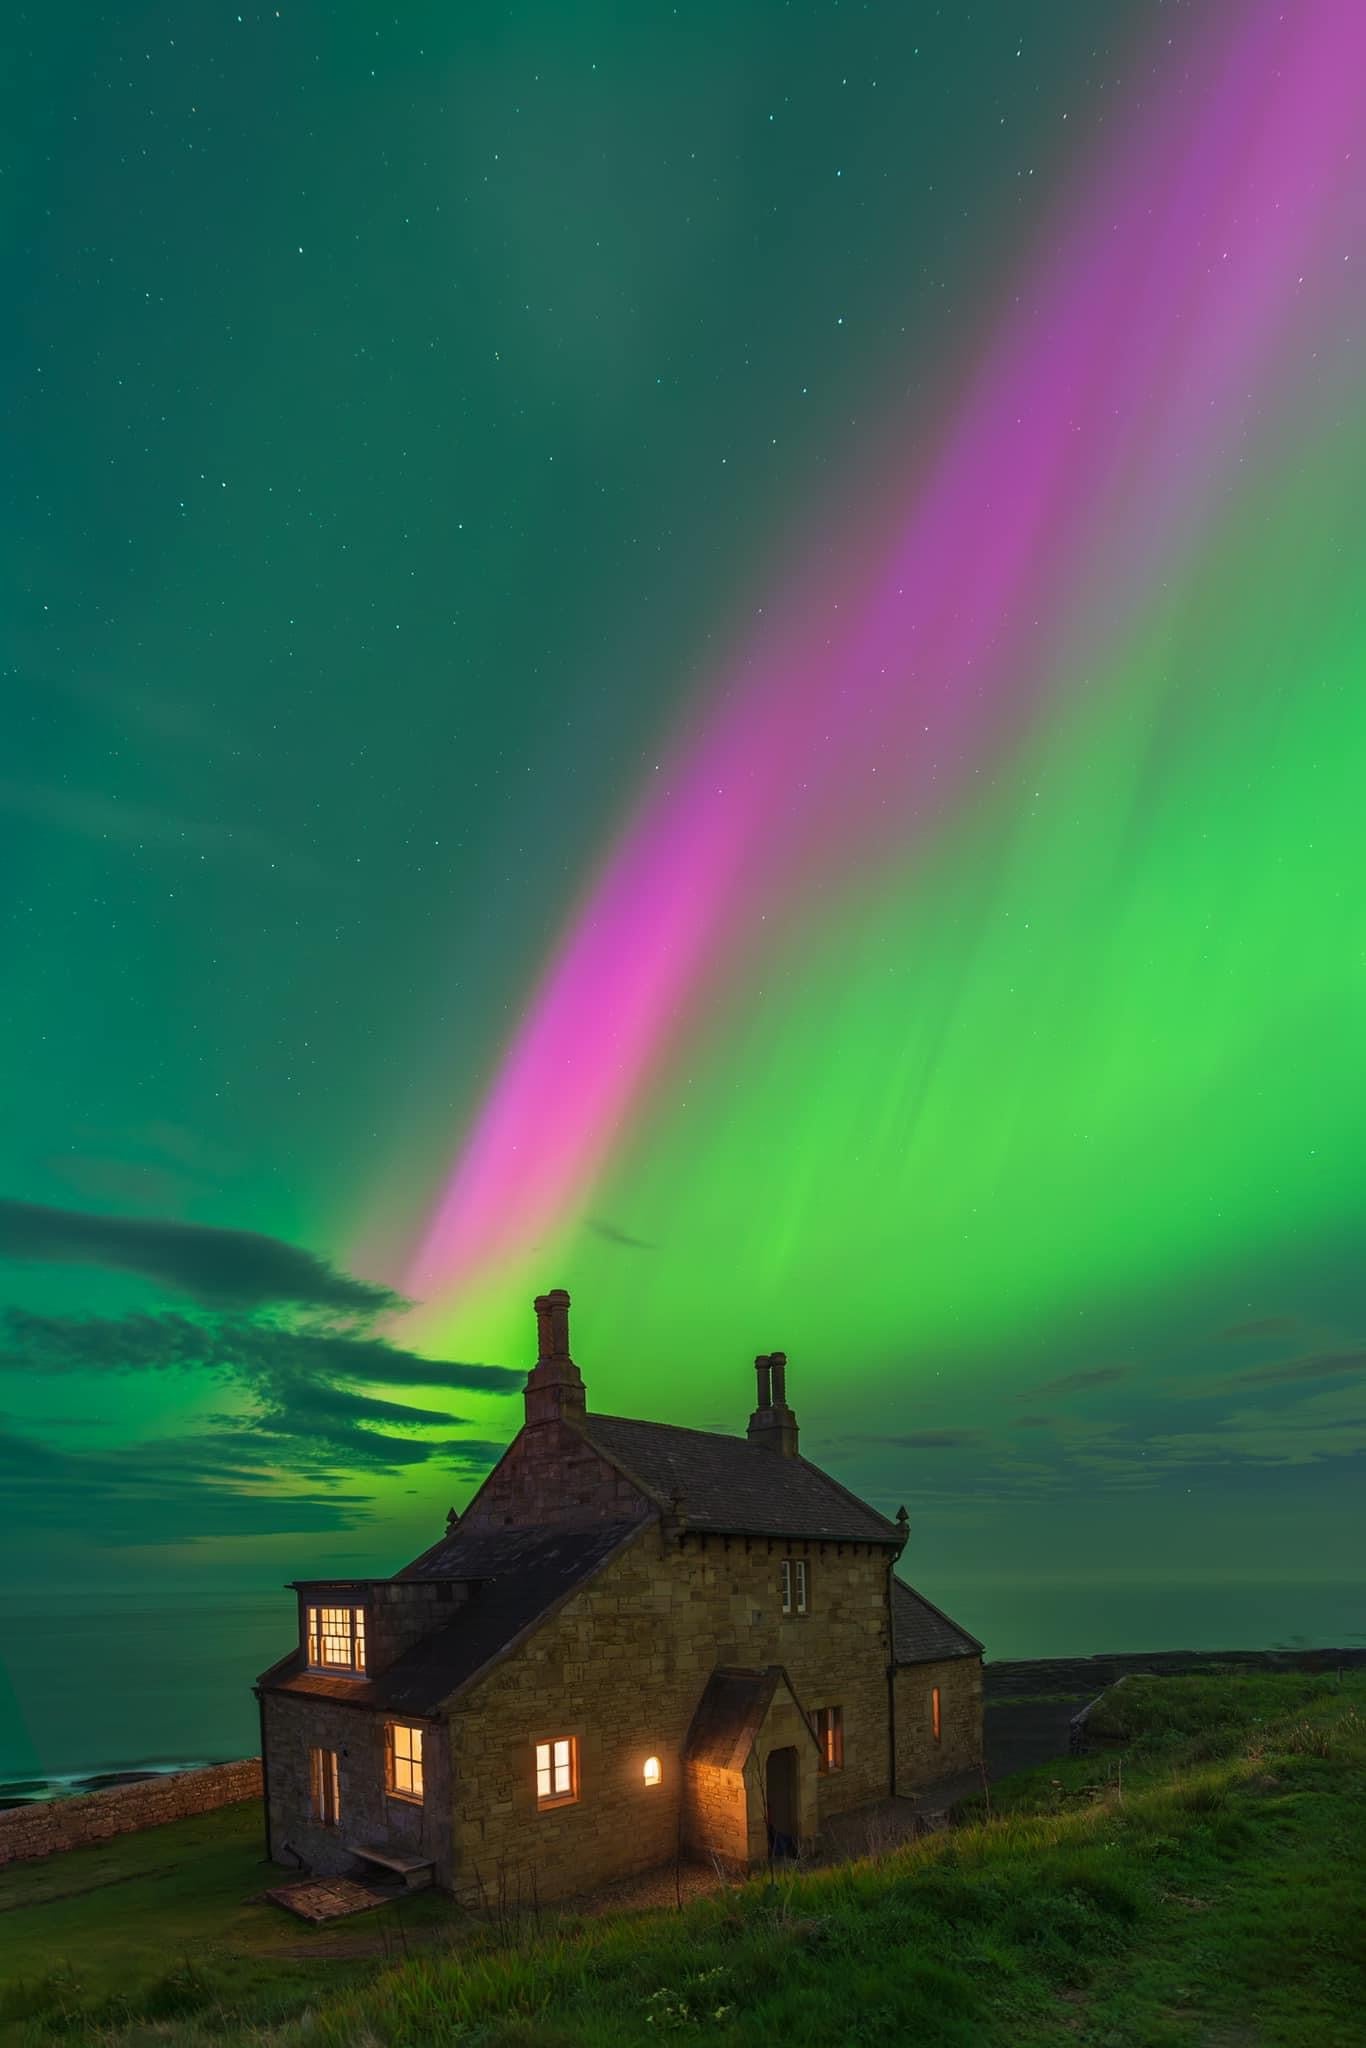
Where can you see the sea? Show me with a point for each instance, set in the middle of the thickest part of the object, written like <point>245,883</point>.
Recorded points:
<point>125,1681</point>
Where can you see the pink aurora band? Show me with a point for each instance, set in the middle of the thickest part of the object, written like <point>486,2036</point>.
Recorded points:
<point>1090,443</point>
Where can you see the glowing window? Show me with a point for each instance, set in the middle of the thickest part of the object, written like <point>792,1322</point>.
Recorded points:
<point>557,1771</point>
<point>934,1712</point>
<point>829,1722</point>
<point>653,1773</point>
<point>403,1761</point>
<point>324,1786</point>
<point>794,1585</point>
<point>336,1638</point>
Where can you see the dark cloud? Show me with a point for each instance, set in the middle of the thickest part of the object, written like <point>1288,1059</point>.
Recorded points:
<point>302,1410</point>
<point>1262,1326</point>
<point>1325,1365</point>
<point>238,1268</point>
<point>615,1235</point>
<point>1033,1422</point>
<point>239,1346</point>
<point>1077,1382</point>
<point>160,1493</point>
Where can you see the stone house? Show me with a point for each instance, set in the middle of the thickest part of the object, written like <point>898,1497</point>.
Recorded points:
<point>638,1641</point>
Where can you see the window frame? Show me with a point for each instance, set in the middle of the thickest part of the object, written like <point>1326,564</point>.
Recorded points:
<point>827,1725</point>
<point>415,1763</point>
<point>550,1801</point>
<point>795,1586</point>
<point>936,1714</point>
<point>324,1786</point>
<point>317,1635</point>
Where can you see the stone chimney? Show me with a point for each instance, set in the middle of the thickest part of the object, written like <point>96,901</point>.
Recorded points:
<point>554,1386</point>
<point>773,1424</point>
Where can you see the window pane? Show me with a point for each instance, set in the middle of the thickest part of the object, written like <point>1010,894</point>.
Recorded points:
<point>405,1758</point>
<point>324,1785</point>
<point>555,1770</point>
<point>336,1638</point>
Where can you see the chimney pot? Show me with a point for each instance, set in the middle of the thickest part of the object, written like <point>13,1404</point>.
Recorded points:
<point>552,1324</point>
<point>773,1424</point>
<point>554,1386</point>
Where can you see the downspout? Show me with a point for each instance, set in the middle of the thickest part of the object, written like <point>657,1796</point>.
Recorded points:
<point>265,1771</point>
<point>891,1687</point>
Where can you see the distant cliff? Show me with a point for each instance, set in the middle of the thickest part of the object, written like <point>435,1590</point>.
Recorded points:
<point>1019,1678</point>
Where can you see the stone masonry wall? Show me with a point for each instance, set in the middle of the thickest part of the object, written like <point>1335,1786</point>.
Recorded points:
<point>714,1814</point>
<point>920,1760</point>
<point>550,1474</point>
<point>369,1815</point>
<point>28,1833</point>
<point>621,1668</point>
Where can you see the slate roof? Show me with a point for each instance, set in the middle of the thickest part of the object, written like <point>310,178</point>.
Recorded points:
<point>516,1575</point>
<point>921,1634</point>
<point>732,1487</point>
<point>730,1714</point>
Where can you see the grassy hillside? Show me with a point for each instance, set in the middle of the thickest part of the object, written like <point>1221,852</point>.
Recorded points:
<point>168,1921</point>
<point>1211,1894</point>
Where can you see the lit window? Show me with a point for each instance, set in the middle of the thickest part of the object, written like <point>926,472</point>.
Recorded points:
<point>934,1712</point>
<point>794,1585</point>
<point>336,1638</point>
<point>557,1771</point>
<point>830,1735</point>
<point>403,1760</point>
<point>652,1770</point>
<point>324,1786</point>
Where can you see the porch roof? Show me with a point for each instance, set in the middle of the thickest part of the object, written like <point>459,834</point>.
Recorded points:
<point>731,1712</point>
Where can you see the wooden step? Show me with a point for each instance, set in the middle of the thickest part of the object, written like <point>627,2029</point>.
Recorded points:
<point>413,1870</point>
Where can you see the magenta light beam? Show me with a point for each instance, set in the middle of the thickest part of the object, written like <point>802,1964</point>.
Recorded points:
<point>1086,449</point>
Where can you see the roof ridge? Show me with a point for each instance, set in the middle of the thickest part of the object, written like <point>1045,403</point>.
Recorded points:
<point>665,1460</point>
<point>722,1436</point>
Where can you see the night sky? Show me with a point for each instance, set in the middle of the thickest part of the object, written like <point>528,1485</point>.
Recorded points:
<point>713,655</point>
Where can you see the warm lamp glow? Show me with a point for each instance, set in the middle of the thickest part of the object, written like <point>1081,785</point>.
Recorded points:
<point>652,1770</point>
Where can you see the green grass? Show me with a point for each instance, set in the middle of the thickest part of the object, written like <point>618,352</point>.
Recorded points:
<point>162,1924</point>
<point>1205,1887</point>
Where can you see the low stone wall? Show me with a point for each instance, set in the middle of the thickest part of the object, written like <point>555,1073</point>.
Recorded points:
<point>1091,1675</point>
<point>28,1833</point>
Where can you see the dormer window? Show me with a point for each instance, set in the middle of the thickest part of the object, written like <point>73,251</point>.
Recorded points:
<point>336,1639</point>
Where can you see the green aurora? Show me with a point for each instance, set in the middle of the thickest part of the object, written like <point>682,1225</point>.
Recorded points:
<point>404,421</point>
